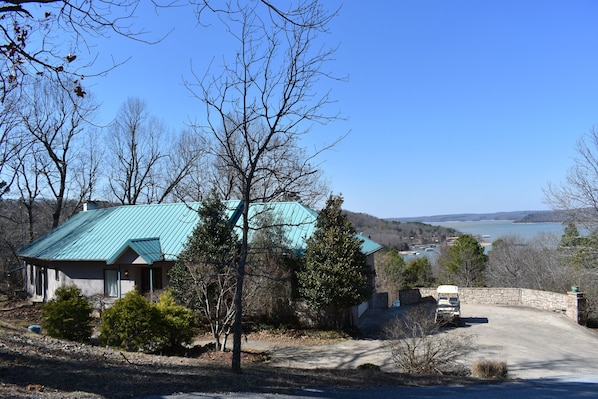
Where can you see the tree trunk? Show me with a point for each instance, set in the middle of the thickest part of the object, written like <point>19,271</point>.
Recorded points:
<point>238,326</point>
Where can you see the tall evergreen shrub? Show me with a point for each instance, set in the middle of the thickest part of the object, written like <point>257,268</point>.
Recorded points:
<point>68,315</point>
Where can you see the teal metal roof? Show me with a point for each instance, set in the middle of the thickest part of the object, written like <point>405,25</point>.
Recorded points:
<point>149,249</point>
<point>159,232</point>
<point>97,235</point>
<point>299,223</point>
<point>369,246</point>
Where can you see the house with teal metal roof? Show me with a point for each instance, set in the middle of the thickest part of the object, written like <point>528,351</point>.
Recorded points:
<point>110,251</point>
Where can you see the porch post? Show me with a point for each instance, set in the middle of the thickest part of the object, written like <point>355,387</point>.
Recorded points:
<point>151,281</point>
<point>119,284</point>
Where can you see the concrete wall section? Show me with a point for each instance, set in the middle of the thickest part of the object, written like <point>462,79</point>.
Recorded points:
<point>572,304</point>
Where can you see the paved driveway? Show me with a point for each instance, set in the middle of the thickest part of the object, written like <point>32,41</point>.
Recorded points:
<point>557,358</point>
<point>535,344</point>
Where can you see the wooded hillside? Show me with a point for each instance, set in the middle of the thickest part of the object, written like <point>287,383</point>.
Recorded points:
<point>399,235</point>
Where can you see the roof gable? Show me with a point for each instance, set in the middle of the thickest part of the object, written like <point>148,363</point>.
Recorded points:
<point>147,249</point>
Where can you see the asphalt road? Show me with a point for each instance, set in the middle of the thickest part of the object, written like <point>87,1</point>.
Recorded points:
<point>555,357</point>
<point>520,390</point>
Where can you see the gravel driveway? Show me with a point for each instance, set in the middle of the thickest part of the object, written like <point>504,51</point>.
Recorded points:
<point>534,343</point>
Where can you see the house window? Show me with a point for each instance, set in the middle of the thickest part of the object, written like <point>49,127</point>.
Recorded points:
<point>31,279</point>
<point>39,280</point>
<point>56,275</point>
<point>111,283</point>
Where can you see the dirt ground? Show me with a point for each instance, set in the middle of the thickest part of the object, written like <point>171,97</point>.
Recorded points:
<point>535,344</point>
<point>37,366</point>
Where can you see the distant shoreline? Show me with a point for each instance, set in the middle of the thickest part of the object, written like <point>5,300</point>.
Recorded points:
<point>515,217</point>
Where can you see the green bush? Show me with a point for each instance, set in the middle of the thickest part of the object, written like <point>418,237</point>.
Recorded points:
<point>68,315</point>
<point>131,322</point>
<point>137,324</point>
<point>177,321</point>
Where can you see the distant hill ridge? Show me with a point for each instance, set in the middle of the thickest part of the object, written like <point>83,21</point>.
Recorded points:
<point>516,216</point>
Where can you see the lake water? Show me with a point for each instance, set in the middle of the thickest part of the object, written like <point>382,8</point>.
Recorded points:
<point>491,230</point>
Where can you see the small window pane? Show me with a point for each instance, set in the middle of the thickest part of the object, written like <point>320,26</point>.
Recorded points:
<point>111,283</point>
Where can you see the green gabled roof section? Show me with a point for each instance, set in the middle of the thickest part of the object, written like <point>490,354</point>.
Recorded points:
<point>299,223</point>
<point>95,235</point>
<point>148,249</point>
<point>369,246</point>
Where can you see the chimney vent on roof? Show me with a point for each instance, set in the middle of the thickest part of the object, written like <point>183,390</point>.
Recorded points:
<point>90,206</point>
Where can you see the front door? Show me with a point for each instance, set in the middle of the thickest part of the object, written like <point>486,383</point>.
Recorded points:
<point>153,275</point>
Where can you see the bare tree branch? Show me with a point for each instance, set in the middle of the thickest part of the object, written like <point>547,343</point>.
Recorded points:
<point>578,194</point>
<point>260,105</point>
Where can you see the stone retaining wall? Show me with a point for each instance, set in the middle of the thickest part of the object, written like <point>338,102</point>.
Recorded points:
<point>572,304</point>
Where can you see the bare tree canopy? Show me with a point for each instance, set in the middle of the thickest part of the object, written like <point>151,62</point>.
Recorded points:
<point>51,156</point>
<point>536,264</point>
<point>259,107</point>
<point>578,194</point>
<point>150,163</point>
<point>52,38</point>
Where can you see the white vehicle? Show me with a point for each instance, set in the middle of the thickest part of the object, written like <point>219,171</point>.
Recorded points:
<point>448,308</point>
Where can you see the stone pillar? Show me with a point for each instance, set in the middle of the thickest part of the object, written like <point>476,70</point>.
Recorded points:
<point>577,307</point>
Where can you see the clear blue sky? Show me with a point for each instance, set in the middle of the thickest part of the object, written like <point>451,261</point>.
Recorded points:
<point>452,106</point>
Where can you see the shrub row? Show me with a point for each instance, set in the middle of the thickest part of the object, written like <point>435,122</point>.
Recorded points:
<point>132,322</point>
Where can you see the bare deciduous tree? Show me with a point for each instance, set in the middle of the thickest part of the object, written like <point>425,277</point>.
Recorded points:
<point>418,345</point>
<point>29,185</point>
<point>578,197</point>
<point>183,173</point>
<point>52,38</point>
<point>135,141</point>
<point>150,162</point>
<point>578,194</point>
<point>54,124</point>
<point>536,264</point>
<point>10,142</point>
<point>261,105</point>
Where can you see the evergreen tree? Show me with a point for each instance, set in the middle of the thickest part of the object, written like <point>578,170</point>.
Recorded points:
<point>570,237</point>
<point>466,262</point>
<point>204,277</point>
<point>390,269</point>
<point>335,275</point>
<point>418,273</point>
